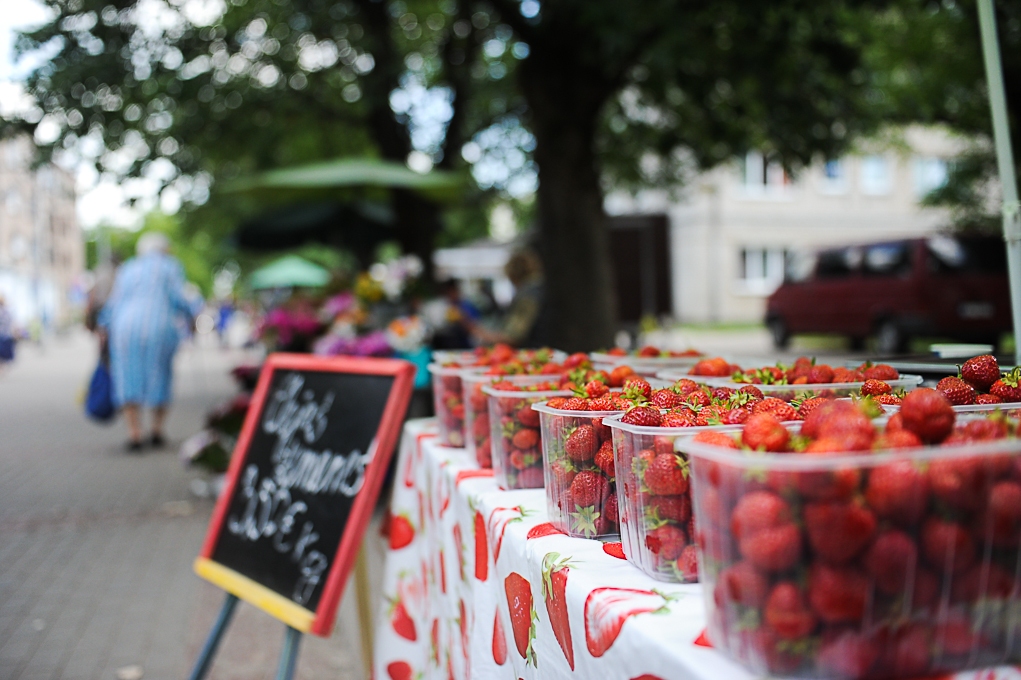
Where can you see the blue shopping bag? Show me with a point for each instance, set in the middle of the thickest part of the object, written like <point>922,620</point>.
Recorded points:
<point>99,400</point>
<point>6,348</point>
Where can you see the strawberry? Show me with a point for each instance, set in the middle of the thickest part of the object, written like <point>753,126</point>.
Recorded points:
<point>687,564</point>
<point>666,541</point>
<point>522,614</point>
<point>1003,514</point>
<point>777,407</point>
<point>765,432</point>
<point>528,417</point>
<point>666,475</point>
<point>400,670</point>
<point>873,388</point>
<point>615,549</point>
<point>837,532</point>
<point>642,415</point>
<point>956,636</point>
<point>947,546</point>
<point>809,405</point>
<point>908,655</point>
<point>498,521</point>
<point>581,445</point>
<point>499,641</point>
<point>898,492</point>
<point>757,511</point>
<point>637,389</point>
<point>619,374</point>
<point>574,404</point>
<point>611,509</point>
<point>525,439</point>
<point>402,624</point>
<point>842,422</point>
<point>847,654</point>
<point>554,591</point>
<point>595,389</point>
<point>1008,388</point>
<point>589,489</point>
<point>666,399</point>
<point>988,399</point>
<point>715,439</point>
<point>602,404</point>
<point>402,533</point>
<point>752,391</point>
<point>891,561</point>
<point>878,372</point>
<point>957,391</point>
<point>604,459</point>
<point>837,594</point>
<point>786,612</point>
<point>742,584</point>
<point>607,609</point>
<point>982,582</point>
<point>898,439</point>
<point>981,372</point>
<point>819,374</point>
<point>960,483</point>
<point>669,508</point>
<point>928,414</point>
<point>888,399</point>
<point>773,549</point>
<point>717,366</point>
<point>481,548</point>
<point>684,387</point>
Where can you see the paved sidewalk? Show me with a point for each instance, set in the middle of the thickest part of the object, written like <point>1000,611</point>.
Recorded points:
<point>96,545</point>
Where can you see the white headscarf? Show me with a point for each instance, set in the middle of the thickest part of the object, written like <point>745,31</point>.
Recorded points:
<point>152,242</point>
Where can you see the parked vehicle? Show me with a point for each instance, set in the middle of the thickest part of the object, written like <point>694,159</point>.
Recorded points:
<point>947,286</point>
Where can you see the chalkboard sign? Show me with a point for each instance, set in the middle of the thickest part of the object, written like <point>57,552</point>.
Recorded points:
<point>303,482</point>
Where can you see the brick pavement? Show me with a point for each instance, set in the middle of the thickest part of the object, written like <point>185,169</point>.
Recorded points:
<point>96,546</point>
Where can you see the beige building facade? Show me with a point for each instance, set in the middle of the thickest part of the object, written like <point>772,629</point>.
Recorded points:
<point>42,254</point>
<point>732,229</point>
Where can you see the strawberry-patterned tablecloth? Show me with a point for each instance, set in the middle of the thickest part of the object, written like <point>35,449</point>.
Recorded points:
<point>478,585</point>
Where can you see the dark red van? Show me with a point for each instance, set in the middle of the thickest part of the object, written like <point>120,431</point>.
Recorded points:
<point>946,286</point>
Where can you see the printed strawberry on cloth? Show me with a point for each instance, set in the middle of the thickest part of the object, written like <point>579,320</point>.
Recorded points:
<point>478,584</point>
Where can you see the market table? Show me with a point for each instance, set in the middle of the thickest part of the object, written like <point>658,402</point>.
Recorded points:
<point>462,551</point>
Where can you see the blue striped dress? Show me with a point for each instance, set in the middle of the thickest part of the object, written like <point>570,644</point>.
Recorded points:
<point>140,316</point>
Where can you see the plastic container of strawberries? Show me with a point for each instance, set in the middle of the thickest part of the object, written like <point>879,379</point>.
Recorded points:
<point>476,410</point>
<point>577,456</point>
<point>515,437</point>
<point>656,526</point>
<point>861,565</point>
<point>788,392</point>
<point>643,365</point>
<point>448,401</point>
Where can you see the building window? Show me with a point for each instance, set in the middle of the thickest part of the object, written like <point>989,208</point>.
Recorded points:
<point>875,176</point>
<point>761,270</point>
<point>929,174</point>
<point>834,177</point>
<point>762,175</point>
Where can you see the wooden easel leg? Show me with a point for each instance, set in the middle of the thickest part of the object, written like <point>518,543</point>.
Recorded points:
<point>363,595</point>
<point>205,659</point>
<point>289,654</point>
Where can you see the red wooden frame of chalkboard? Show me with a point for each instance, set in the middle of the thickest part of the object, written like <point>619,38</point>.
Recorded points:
<point>319,622</point>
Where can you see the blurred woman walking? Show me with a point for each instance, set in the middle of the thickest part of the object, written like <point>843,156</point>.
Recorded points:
<point>140,318</point>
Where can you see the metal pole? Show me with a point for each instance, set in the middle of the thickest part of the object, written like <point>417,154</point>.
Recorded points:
<point>289,655</point>
<point>1004,161</point>
<point>205,659</point>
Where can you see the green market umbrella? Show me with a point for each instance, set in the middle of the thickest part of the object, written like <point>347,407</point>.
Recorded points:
<point>290,271</point>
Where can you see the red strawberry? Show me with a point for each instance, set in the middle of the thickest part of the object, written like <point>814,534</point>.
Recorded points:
<point>528,417</point>
<point>543,530</point>
<point>666,475</point>
<point>787,614</point>
<point>891,561</point>
<point>956,636</point>
<point>522,614</point>
<point>742,584</point>
<point>481,548</point>
<point>589,489</point>
<point>715,439</point>
<point>961,483</point>
<point>669,508</point>
<point>872,388</point>
<point>1003,514</point>
<point>400,670</point>
<point>987,581</point>
<point>898,492</point>
<point>638,386</point>
<point>666,541</point>
<point>909,655</point>
<point>981,371</point>
<point>957,391</point>
<point>764,432</point>
<point>988,399</point>
<point>614,550</point>
<point>837,594</point>
<point>604,459</point>
<point>596,388</point>
<point>898,439</point>
<point>554,591</point>
<point>687,564</point>
<point>611,510</point>
<point>841,422</point>
<point>497,525</point>
<point>646,416</point>
<point>607,609</point>
<point>809,405</point>
<point>1008,388</point>
<point>820,373</point>
<point>525,439</point>
<point>401,532</point>
<point>581,445</point>
<point>619,374</point>
<point>928,414</point>
<point>778,407</point>
<point>666,399</point>
<point>878,372</point>
<point>499,641</point>
<point>838,531</point>
<point>774,549</point>
<point>848,654</point>
<point>402,624</point>
<point>678,418</point>
<point>947,546</point>
<point>757,511</point>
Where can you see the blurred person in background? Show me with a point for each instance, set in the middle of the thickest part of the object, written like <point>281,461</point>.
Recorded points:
<point>522,325</point>
<point>452,316</point>
<point>140,319</point>
<point>6,334</point>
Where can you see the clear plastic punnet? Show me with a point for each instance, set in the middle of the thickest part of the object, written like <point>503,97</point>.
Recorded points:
<point>787,391</point>
<point>864,564</point>
<point>448,401</point>
<point>577,453</point>
<point>515,437</point>
<point>476,409</point>
<point>653,491</point>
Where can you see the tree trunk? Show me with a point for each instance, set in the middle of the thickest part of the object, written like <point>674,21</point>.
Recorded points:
<point>564,103</point>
